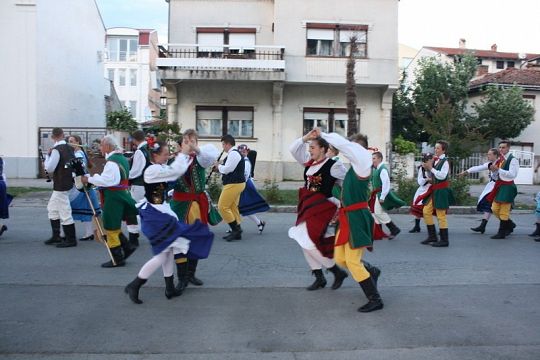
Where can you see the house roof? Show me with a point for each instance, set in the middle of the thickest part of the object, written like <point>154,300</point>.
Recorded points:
<point>510,76</point>
<point>481,53</point>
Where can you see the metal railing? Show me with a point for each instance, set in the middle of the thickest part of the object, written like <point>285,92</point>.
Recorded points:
<point>194,51</point>
<point>459,165</point>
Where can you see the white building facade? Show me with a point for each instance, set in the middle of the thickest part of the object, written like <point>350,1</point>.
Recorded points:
<point>267,71</point>
<point>130,64</point>
<point>52,75</point>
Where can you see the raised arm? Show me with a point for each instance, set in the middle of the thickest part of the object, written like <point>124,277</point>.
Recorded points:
<point>207,155</point>
<point>160,173</point>
<point>359,157</point>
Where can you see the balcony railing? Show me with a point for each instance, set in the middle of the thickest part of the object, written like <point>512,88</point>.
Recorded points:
<point>222,57</point>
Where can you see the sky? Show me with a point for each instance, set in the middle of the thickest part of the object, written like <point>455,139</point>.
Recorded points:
<point>513,26</point>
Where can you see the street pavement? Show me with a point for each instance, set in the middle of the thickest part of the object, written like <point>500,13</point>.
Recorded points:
<point>477,299</point>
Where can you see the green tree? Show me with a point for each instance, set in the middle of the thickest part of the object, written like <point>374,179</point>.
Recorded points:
<point>503,113</point>
<point>404,123</point>
<point>121,120</point>
<point>350,88</point>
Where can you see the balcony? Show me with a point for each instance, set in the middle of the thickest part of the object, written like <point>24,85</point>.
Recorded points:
<point>221,62</point>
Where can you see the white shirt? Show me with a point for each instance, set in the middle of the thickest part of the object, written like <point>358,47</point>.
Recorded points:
<point>298,151</point>
<point>207,155</point>
<point>475,169</point>
<point>443,173</point>
<point>512,172</point>
<point>359,157</point>
<point>157,173</point>
<point>51,161</point>
<point>138,163</point>
<point>110,175</point>
<point>247,168</point>
<point>385,179</point>
<point>233,158</point>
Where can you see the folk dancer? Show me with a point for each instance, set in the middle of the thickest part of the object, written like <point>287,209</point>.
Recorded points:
<point>80,208</point>
<point>439,196</point>
<point>190,202</point>
<point>355,231</point>
<point>317,207</point>
<point>5,198</point>
<point>423,179</point>
<point>166,234</point>
<point>382,197</point>
<point>504,191</point>
<point>484,205</point>
<point>234,182</point>
<point>117,203</point>
<point>59,208</point>
<point>139,162</point>
<point>251,202</point>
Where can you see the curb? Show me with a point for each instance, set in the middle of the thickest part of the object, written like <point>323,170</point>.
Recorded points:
<point>454,210</point>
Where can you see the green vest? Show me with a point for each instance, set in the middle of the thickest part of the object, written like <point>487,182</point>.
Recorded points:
<point>391,201</point>
<point>356,190</point>
<point>198,182</point>
<point>442,198</point>
<point>506,193</point>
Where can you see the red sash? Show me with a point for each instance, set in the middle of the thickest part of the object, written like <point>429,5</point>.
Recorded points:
<point>441,185</point>
<point>491,196</point>
<point>199,198</point>
<point>344,228</point>
<point>123,185</point>
<point>372,197</point>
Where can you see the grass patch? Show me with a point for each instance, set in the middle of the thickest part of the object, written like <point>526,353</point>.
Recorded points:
<point>19,190</point>
<point>285,197</point>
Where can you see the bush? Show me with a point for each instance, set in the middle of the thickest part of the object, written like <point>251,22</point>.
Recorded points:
<point>121,121</point>
<point>271,191</point>
<point>406,189</point>
<point>402,146</point>
<point>460,186</point>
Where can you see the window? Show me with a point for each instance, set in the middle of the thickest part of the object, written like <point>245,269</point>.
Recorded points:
<point>212,42</point>
<point>133,77</point>
<point>510,64</point>
<point>110,74</point>
<point>132,108</point>
<point>334,40</point>
<point>122,48</point>
<point>329,120</point>
<point>218,121</point>
<point>122,77</point>
<point>500,64</point>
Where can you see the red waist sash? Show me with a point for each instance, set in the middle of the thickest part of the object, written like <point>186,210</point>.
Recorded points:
<point>123,185</point>
<point>199,198</point>
<point>372,197</point>
<point>344,228</point>
<point>491,196</point>
<point>433,187</point>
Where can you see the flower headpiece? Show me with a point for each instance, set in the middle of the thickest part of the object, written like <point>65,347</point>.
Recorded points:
<point>152,143</point>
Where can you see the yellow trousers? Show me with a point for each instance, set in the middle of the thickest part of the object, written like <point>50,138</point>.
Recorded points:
<point>228,202</point>
<point>351,259</point>
<point>441,215</point>
<point>113,238</point>
<point>501,210</point>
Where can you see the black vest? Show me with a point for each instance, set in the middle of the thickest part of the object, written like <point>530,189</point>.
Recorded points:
<point>139,180</point>
<point>155,193</point>
<point>62,176</point>
<point>237,176</point>
<point>326,179</point>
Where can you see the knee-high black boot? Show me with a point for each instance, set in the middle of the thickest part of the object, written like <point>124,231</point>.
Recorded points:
<point>510,226</point>
<point>432,235</point>
<point>339,276</point>
<point>536,232</point>
<point>170,290</point>
<point>55,238</point>
<point>132,289</point>
<point>192,268</point>
<point>236,232</point>
<point>134,239</point>
<point>127,247</point>
<point>118,258</point>
<point>374,299</point>
<point>319,282</point>
<point>183,276</point>
<point>71,238</point>
<point>481,228</point>
<point>374,271</point>
<point>416,227</point>
<point>394,230</point>
<point>444,239</point>
<point>501,234</point>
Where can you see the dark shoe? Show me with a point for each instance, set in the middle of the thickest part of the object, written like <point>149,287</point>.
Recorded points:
<point>132,289</point>
<point>374,299</point>
<point>87,238</point>
<point>55,239</point>
<point>533,234</point>
<point>394,230</point>
<point>2,229</point>
<point>319,282</point>
<point>71,238</point>
<point>501,234</point>
<point>170,290</point>
<point>374,271</point>
<point>126,245</point>
<point>537,239</point>
<point>192,268</point>
<point>134,240</point>
<point>481,228</point>
<point>236,232</point>
<point>182,273</point>
<point>118,258</point>
<point>444,239</point>
<point>261,226</point>
<point>432,235</point>
<point>510,226</point>
<point>339,276</point>
<point>416,228</point>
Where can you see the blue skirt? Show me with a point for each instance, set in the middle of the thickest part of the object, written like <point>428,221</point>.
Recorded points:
<point>251,202</point>
<point>5,200</point>
<point>484,205</point>
<point>80,208</point>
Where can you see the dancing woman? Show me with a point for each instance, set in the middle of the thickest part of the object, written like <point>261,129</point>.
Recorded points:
<point>317,207</point>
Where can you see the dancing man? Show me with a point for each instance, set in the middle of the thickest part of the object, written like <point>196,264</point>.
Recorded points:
<point>423,179</point>
<point>140,161</point>
<point>317,207</point>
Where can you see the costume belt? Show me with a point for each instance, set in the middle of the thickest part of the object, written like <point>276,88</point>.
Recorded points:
<point>200,198</point>
<point>344,228</point>
<point>491,196</point>
<point>442,185</point>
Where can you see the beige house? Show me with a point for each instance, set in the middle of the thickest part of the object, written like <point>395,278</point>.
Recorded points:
<point>267,71</point>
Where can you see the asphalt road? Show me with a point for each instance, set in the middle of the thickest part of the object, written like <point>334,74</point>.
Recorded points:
<point>477,299</point>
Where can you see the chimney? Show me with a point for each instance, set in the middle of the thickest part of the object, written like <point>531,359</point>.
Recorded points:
<point>494,47</point>
<point>462,43</point>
